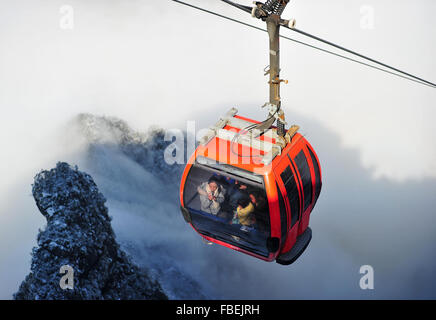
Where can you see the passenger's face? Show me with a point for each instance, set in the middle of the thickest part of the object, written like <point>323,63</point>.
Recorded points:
<point>213,186</point>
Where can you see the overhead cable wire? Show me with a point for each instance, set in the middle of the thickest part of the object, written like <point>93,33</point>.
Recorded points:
<point>359,55</point>
<point>404,75</point>
<point>239,6</point>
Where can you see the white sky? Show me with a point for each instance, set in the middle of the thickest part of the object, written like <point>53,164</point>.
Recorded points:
<point>157,62</point>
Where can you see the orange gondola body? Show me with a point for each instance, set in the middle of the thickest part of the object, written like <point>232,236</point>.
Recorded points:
<point>284,183</point>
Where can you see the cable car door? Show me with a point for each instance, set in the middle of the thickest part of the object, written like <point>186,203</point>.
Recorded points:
<point>303,164</point>
<point>287,182</point>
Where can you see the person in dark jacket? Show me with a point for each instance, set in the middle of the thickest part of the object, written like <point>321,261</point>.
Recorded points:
<point>260,211</point>
<point>236,192</point>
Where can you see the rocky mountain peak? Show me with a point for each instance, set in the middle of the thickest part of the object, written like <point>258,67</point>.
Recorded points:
<point>79,235</point>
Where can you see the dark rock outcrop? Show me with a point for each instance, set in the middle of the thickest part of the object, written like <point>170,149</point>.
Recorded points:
<point>79,234</point>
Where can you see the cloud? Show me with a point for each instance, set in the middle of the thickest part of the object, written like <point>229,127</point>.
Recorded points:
<point>358,221</point>
<point>150,64</point>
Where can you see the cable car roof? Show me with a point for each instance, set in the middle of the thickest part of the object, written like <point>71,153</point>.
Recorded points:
<point>229,142</point>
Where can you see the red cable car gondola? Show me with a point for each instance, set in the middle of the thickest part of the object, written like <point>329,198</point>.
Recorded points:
<point>250,186</point>
<point>280,185</point>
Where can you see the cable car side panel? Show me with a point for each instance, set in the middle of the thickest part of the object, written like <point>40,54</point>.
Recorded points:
<point>286,181</point>
<point>315,171</point>
<point>274,208</point>
<point>301,167</point>
<point>318,172</point>
<point>294,189</point>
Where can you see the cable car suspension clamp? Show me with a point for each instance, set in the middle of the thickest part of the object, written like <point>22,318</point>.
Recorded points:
<point>274,112</point>
<point>258,11</point>
<point>291,133</point>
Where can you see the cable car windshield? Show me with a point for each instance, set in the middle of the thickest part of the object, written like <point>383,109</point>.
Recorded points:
<point>228,207</point>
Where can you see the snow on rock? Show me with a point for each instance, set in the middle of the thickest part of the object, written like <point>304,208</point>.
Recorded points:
<point>146,149</point>
<point>79,234</point>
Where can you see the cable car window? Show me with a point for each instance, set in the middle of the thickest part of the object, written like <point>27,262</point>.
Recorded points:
<point>283,215</point>
<point>306,178</point>
<point>317,175</point>
<point>228,209</point>
<point>230,169</point>
<point>293,194</point>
